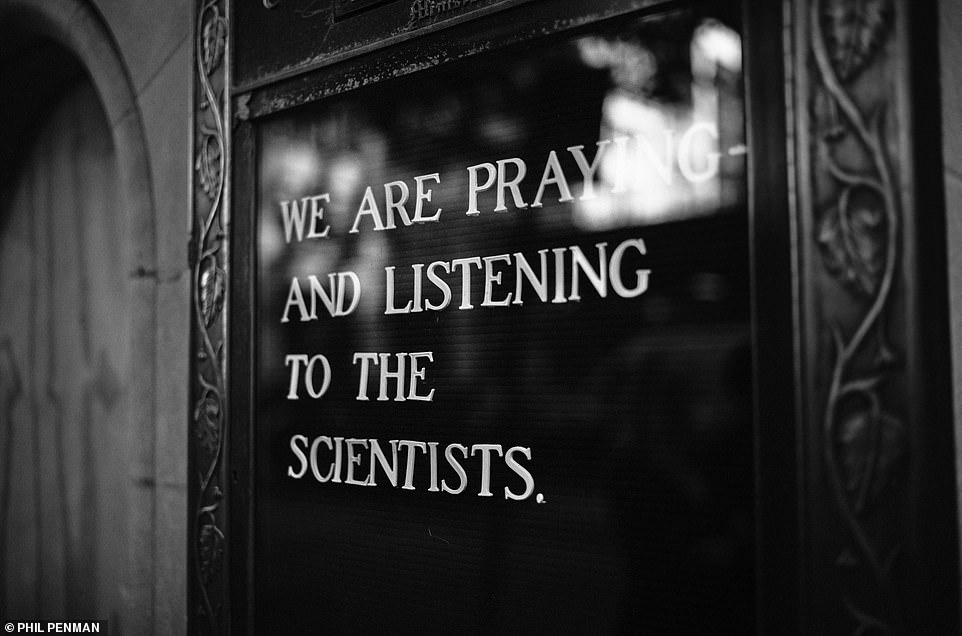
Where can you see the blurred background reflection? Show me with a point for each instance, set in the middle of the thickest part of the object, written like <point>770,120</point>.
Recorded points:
<point>637,410</point>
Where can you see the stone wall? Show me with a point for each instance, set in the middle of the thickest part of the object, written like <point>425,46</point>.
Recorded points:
<point>138,55</point>
<point>154,41</point>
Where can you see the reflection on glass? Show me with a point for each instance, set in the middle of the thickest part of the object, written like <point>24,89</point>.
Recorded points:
<point>563,227</point>
<point>663,159</point>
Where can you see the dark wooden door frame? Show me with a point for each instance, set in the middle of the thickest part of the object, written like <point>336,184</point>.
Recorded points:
<point>855,480</point>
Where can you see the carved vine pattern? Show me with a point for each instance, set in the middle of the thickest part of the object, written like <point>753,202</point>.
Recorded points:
<point>209,262</point>
<point>864,446</point>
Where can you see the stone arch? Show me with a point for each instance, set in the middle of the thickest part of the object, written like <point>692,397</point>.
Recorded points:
<point>72,40</point>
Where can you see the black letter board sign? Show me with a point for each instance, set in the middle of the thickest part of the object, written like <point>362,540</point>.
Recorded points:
<point>502,353</point>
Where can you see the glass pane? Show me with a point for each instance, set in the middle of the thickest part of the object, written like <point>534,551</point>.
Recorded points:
<point>503,364</point>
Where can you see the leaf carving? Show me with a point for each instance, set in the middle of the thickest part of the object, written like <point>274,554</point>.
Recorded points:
<point>212,285</point>
<point>242,111</point>
<point>214,39</point>
<point>208,165</point>
<point>873,450</point>
<point>851,238</point>
<point>207,418</point>
<point>854,31</point>
<point>211,550</point>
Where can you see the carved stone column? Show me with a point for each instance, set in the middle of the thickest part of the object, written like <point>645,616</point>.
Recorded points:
<point>207,524</point>
<point>870,393</point>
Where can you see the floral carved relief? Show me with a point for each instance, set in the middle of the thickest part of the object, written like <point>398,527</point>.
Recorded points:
<point>857,229</point>
<point>209,270</point>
